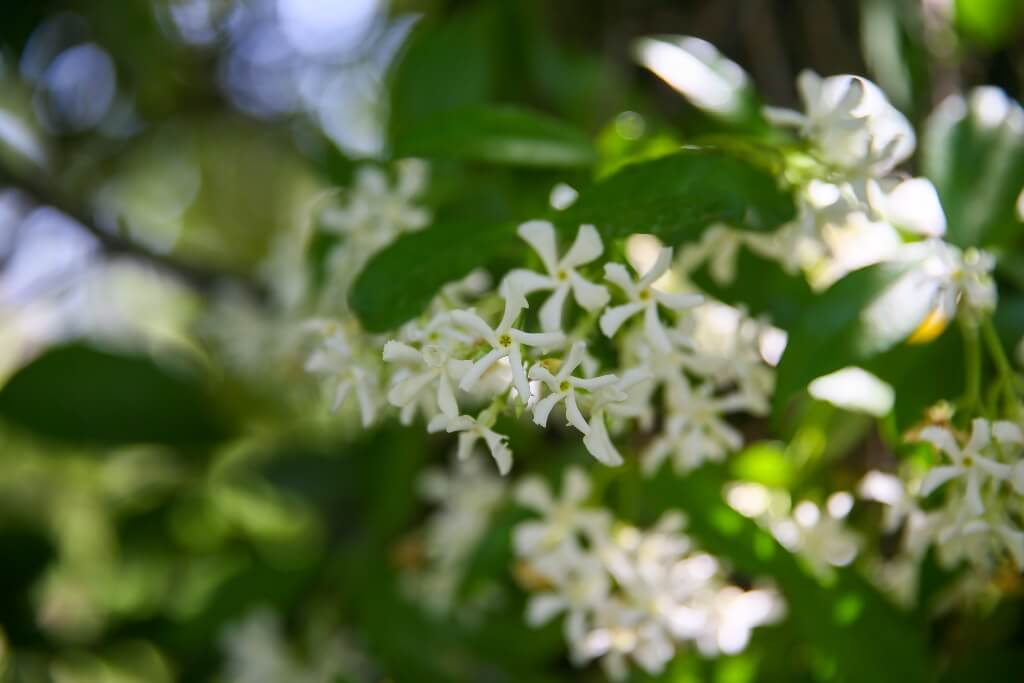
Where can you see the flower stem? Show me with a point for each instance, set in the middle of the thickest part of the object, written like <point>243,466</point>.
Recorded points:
<point>972,366</point>
<point>1006,374</point>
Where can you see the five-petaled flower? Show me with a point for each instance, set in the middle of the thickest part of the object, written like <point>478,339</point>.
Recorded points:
<point>643,297</point>
<point>561,276</point>
<point>505,341</point>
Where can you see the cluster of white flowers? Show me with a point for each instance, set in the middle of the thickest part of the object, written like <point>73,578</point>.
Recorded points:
<point>817,533</point>
<point>465,501</point>
<point>854,209</point>
<point>455,357</point>
<point>628,594</point>
<point>980,479</point>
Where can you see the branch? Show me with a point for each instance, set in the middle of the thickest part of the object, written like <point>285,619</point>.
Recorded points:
<point>199,277</point>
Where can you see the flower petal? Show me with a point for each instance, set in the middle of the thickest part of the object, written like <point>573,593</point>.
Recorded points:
<point>612,319</point>
<point>589,295</point>
<point>552,311</point>
<point>543,340</point>
<point>658,269</point>
<point>654,329</point>
<point>398,352</point>
<point>678,301</point>
<point>541,236</point>
<point>942,439</point>
<point>586,248</point>
<point>542,409</point>
<point>599,443</point>
<point>937,476</point>
<point>481,366</point>
<point>573,414</point>
<point>527,281</point>
<point>474,323</point>
<point>544,607</point>
<point>617,274</point>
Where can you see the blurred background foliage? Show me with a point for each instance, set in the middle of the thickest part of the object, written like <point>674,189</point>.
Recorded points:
<point>155,153</point>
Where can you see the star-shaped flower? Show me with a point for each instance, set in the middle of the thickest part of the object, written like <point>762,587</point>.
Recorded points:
<point>561,276</point>
<point>970,462</point>
<point>643,297</point>
<point>562,386</point>
<point>505,341</point>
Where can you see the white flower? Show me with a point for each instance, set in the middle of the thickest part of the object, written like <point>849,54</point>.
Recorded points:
<point>620,400</point>
<point>970,462</point>
<point>471,430</point>
<point>561,276</point>
<point>562,387</point>
<point>851,123</point>
<point>961,279</point>
<point>334,359</point>
<point>505,342</point>
<point>555,540</point>
<point>581,587</point>
<point>735,613</point>
<point>643,297</point>
<point>466,496</point>
<point>622,632</point>
<point>694,430</point>
<point>377,211</point>
<point>436,366</point>
<point>912,205</point>
<point>823,539</point>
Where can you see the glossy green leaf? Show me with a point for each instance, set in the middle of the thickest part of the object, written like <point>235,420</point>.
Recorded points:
<point>844,619</point>
<point>82,394</point>
<point>973,150</point>
<point>865,314</point>
<point>497,134</point>
<point>674,198</point>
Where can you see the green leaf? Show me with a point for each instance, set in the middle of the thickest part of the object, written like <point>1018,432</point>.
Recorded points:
<point>497,134</point>
<point>445,66</point>
<point>83,394</point>
<point>993,22</point>
<point>865,314</point>
<point>911,370</point>
<point>974,153</point>
<point>844,619</point>
<point>674,198</point>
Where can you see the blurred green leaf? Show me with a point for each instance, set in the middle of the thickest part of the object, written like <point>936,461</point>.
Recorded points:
<point>911,368</point>
<point>674,198</point>
<point>83,394</point>
<point>497,134</point>
<point>993,22</point>
<point>444,66</point>
<point>844,619</point>
<point>858,318</point>
<point>973,150</point>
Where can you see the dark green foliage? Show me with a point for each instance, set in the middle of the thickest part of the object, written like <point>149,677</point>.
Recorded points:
<point>79,393</point>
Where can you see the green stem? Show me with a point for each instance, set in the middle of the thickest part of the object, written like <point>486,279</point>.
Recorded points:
<point>1006,373</point>
<point>972,363</point>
